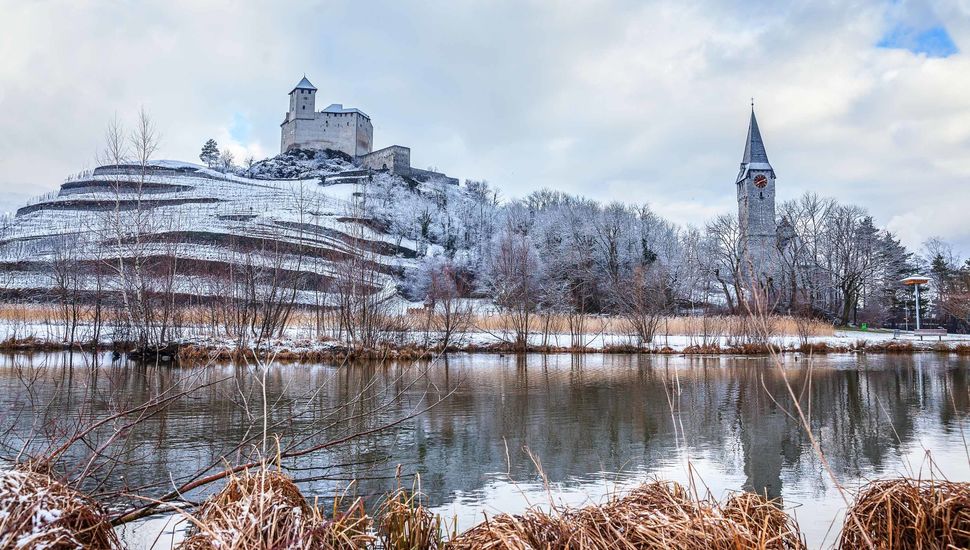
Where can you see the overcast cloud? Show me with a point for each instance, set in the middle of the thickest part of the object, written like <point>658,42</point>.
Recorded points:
<point>865,101</point>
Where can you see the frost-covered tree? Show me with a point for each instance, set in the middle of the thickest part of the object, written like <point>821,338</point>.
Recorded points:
<point>210,153</point>
<point>227,161</point>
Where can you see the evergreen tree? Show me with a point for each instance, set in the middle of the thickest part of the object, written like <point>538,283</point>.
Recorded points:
<point>210,153</point>
<point>943,275</point>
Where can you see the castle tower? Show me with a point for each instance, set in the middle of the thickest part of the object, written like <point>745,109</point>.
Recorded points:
<point>347,130</point>
<point>756,210</point>
<point>303,101</point>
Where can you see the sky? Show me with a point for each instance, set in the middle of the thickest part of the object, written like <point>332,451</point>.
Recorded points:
<point>864,101</point>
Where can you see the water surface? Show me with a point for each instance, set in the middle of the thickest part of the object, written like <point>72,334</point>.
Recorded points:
<point>508,426</point>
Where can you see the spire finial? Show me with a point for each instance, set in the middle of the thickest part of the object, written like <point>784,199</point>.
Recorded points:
<point>752,104</point>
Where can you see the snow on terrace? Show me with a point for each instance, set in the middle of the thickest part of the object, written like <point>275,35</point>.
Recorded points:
<point>213,202</point>
<point>190,199</point>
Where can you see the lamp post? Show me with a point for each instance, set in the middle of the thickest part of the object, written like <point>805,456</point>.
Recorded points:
<point>916,281</point>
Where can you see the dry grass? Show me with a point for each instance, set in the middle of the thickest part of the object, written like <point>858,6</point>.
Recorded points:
<point>961,349</point>
<point>38,512</point>
<point>262,508</point>
<point>655,515</point>
<point>28,313</point>
<point>761,517</point>
<point>406,524</point>
<point>712,326</point>
<point>884,347</point>
<point>909,513</point>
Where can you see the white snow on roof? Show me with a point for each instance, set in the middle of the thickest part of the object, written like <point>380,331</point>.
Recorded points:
<point>304,85</point>
<point>339,108</point>
<point>175,164</point>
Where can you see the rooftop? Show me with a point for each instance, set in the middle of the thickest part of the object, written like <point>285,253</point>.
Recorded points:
<point>304,85</point>
<point>339,108</point>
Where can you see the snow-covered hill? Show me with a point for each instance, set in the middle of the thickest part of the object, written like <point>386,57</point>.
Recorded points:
<point>206,221</point>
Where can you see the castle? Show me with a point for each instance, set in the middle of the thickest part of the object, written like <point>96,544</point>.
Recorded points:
<point>761,238</point>
<point>346,130</point>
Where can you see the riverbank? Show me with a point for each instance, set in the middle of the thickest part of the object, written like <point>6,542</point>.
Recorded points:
<point>422,345</point>
<point>262,508</point>
<point>414,335</point>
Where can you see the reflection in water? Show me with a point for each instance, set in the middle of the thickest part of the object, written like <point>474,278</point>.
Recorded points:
<point>585,417</point>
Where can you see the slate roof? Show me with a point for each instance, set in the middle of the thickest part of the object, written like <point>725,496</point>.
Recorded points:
<point>304,85</point>
<point>754,146</point>
<point>755,157</point>
<point>339,108</point>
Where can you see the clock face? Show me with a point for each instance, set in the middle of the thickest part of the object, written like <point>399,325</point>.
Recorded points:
<point>760,181</point>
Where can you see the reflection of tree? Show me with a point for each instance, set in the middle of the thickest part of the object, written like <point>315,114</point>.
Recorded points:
<point>579,415</point>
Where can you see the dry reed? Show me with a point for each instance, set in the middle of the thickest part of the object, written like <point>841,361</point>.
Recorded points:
<point>37,511</point>
<point>262,508</point>
<point>909,513</point>
<point>655,515</point>
<point>710,326</point>
<point>406,524</point>
<point>774,528</point>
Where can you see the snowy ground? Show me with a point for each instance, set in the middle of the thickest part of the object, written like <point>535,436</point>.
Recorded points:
<point>299,339</point>
<point>201,210</point>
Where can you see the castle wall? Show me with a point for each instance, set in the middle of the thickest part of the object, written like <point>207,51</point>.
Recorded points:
<point>428,175</point>
<point>349,132</point>
<point>396,159</point>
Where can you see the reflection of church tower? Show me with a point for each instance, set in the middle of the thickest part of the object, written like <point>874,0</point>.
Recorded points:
<point>756,208</point>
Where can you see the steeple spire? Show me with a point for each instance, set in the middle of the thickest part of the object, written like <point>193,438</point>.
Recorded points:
<point>754,146</point>
<point>755,157</point>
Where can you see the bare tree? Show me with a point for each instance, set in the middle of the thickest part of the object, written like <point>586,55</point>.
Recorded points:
<point>728,247</point>
<point>450,314</point>
<point>512,278</point>
<point>643,298</point>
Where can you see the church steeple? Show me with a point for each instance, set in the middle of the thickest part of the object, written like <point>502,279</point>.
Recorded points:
<point>755,157</point>
<point>754,146</point>
<point>756,208</point>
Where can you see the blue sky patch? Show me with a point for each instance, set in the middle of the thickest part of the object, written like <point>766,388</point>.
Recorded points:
<point>932,42</point>
<point>240,127</point>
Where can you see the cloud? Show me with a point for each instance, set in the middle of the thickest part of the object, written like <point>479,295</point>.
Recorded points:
<point>618,100</point>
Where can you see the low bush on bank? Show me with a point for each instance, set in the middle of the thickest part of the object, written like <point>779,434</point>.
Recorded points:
<point>909,514</point>
<point>262,508</point>
<point>37,511</point>
<point>655,515</point>
<point>961,349</point>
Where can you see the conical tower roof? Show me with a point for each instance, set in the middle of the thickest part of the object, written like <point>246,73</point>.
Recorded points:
<point>754,146</point>
<point>304,85</point>
<point>755,157</point>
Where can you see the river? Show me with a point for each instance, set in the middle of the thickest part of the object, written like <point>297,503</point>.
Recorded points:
<point>509,431</point>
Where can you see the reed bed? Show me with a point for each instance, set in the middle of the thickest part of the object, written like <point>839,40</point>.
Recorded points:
<point>37,511</point>
<point>909,514</point>
<point>682,325</point>
<point>701,326</point>
<point>655,515</point>
<point>406,524</point>
<point>262,508</point>
<point>764,518</point>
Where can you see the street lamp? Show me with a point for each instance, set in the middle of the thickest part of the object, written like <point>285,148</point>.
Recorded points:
<point>916,281</point>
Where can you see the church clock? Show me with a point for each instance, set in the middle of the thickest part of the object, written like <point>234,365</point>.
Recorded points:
<point>760,181</point>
